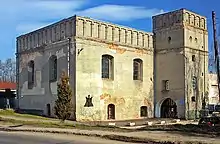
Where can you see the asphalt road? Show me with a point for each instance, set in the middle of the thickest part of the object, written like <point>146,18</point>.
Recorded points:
<point>40,138</point>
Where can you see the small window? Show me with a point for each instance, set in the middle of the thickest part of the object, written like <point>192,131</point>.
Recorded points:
<point>144,111</point>
<point>31,74</point>
<point>169,39</point>
<point>193,58</point>
<point>196,40</point>
<point>193,98</point>
<point>190,39</point>
<point>166,85</point>
<point>137,69</point>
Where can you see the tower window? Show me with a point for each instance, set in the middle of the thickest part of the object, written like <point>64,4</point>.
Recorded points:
<point>193,58</point>
<point>169,39</point>
<point>193,98</point>
<point>190,39</point>
<point>196,40</point>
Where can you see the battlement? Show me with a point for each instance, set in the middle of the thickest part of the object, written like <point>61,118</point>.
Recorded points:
<point>87,28</point>
<point>179,17</point>
<point>90,28</point>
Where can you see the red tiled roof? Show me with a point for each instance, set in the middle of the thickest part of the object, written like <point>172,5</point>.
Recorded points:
<point>8,85</point>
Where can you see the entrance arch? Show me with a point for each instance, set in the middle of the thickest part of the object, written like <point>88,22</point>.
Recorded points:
<point>168,109</point>
<point>111,111</point>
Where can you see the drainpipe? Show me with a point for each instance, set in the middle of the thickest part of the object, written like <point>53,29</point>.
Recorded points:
<point>17,77</point>
<point>68,57</point>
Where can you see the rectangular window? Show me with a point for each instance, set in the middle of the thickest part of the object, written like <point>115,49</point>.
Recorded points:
<point>193,58</point>
<point>165,85</point>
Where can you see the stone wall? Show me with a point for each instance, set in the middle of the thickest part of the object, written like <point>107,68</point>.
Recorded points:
<point>126,94</point>
<point>179,36</point>
<point>103,31</point>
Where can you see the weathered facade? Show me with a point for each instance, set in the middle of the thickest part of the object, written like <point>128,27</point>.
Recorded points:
<point>115,72</point>
<point>181,63</point>
<point>101,58</point>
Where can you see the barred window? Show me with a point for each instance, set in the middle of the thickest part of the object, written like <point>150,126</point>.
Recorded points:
<point>107,66</point>
<point>137,69</point>
<point>53,68</point>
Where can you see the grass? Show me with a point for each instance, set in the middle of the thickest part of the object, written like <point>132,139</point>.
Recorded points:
<point>12,113</point>
<point>58,124</point>
<point>52,123</point>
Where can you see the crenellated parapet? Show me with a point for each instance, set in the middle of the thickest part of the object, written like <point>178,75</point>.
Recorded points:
<point>47,35</point>
<point>179,18</point>
<point>195,20</point>
<point>103,31</point>
<point>87,28</point>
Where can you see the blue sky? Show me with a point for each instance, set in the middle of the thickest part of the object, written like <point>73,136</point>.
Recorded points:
<point>21,16</point>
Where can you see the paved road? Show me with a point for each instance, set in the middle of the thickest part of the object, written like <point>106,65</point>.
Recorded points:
<point>40,138</point>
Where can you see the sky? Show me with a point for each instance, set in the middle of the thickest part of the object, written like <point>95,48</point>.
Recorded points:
<point>22,16</point>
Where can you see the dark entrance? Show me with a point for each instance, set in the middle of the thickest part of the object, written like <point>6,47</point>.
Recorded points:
<point>168,109</point>
<point>48,110</point>
<point>111,111</point>
<point>144,111</point>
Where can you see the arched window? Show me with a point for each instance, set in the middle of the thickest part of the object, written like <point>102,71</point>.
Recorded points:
<point>31,74</point>
<point>144,112</point>
<point>190,38</point>
<point>169,40</point>
<point>111,111</point>
<point>137,69</point>
<point>53,68</point>
<point>107,66</point>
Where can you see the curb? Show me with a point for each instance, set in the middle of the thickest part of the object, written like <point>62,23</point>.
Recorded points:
<point>105,136</point>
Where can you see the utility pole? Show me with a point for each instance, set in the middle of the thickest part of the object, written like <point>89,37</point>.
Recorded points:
<point>216,50</point>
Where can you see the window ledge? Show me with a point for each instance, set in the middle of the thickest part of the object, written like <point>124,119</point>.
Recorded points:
<point>107,79</point>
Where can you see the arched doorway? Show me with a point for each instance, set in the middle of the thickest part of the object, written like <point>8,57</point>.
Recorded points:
<point>48,110</point>
<point>144,112</point>
<point>168,109</point>
<point>111,111</point>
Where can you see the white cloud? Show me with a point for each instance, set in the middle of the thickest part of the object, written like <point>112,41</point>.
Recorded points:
<point>28,15</point>
<point>119,12</point>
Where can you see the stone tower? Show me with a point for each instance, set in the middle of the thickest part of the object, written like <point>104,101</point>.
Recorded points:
<point>181,64</point>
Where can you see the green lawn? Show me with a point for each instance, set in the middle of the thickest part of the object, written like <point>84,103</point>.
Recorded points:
<point>47,122</point>
<point>12,113</point>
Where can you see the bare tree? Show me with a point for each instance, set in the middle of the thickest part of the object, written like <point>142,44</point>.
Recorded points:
<point>8,70</point>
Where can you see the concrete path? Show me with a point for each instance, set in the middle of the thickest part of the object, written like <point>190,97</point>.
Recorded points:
<point>40,138</point>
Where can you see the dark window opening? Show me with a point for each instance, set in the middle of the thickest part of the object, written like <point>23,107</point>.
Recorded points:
<point>193,58</point>
<point>193,98</point>
<point>53,69</point>
<point>31,74</point>
<point>111,111</point>
<point>107,66</point>
<point>144,112</point>
<point>48,110</point>
<point>137,69</point>
<point>169,39</point>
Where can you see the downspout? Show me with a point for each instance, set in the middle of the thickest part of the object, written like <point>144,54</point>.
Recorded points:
<point>17,76</point>
<point>204,72</point>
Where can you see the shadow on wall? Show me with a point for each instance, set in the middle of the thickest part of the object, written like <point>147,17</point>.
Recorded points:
<point>41,80</point>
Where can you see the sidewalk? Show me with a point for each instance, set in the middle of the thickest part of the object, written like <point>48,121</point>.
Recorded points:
<point>138,137</point>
